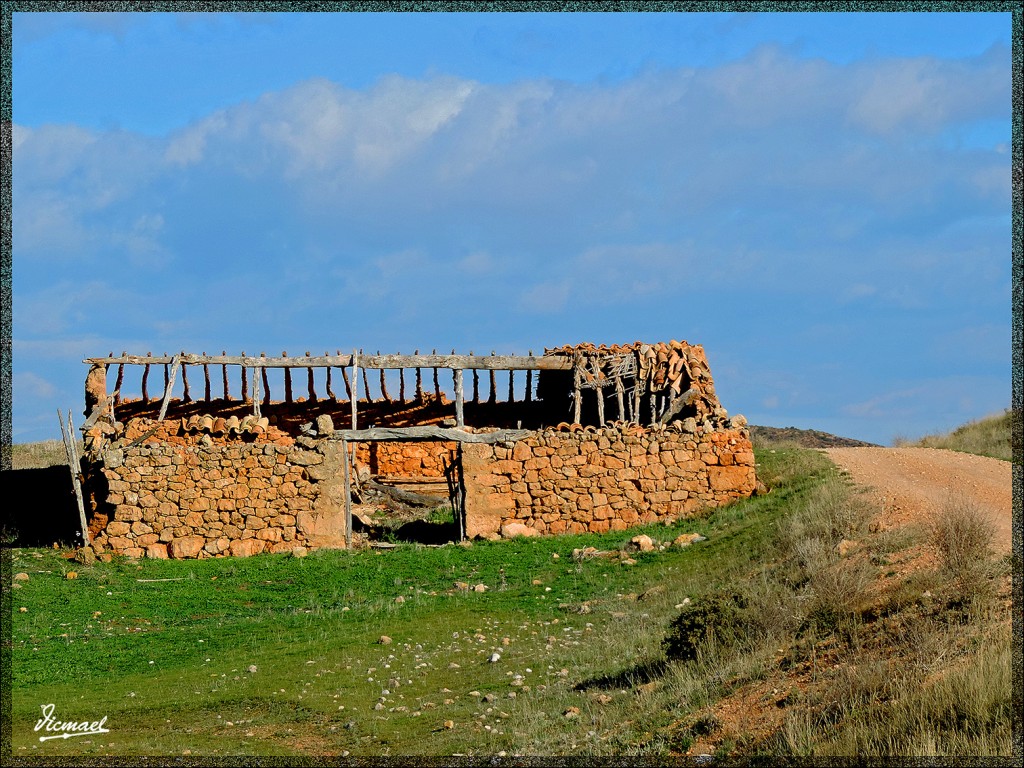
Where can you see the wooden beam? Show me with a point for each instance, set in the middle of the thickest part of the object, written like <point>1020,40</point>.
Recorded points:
<point>429,432</point>
<point>481,362</point>
<point>678,404</point>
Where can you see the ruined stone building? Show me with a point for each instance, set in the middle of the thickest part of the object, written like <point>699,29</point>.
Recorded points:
<point>582,438</point>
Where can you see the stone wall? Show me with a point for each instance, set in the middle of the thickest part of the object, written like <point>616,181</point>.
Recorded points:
<point>196,500</point>
<point>185,495</point>
<point>603,479</point>
<point>414,459</point>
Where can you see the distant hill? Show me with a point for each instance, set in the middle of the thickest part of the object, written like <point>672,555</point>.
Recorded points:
<point>806,438</point>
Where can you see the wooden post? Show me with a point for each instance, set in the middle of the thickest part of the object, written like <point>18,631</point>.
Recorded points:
<point>166,373</point>
<point>511,388</point>
<point>120,380</point>
<point>577,396</point>
<point>366,383</point>
<point>206,376</point>
<point>493,397</point>
<point>330,390</point>
<point>245,382</point>
<point>638,388</point>
<point>460,418</point>
<point>620,396</point>
<point>256,393</point>
<point>266,382</point>
<point>186,396</point>
<point>383,385</point>
<point>355,386</point>
<point>529,383</point>
<point>287,380</point>
<point>169,386</point>
<point>224,374</point>
<point>437,384</point>
<point>401,385</point>
<point>419,382</point>
<point>309,383</point>
<point>348,489</point>
<point>145,379</point>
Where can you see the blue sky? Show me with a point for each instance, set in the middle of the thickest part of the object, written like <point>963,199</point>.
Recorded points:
<point>821,200</point>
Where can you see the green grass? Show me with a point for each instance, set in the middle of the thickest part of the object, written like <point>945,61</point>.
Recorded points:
<point>990,436</point>
<point>282,655</point>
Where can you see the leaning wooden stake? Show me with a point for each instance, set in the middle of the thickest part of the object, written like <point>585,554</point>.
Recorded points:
<point>74,465</point>
<point>169,387</point>
<point>266,382</point>
<point>309,383</point>
<point>145,380</point>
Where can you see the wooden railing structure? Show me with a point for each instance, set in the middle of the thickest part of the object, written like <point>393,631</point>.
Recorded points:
<point>352,366</point>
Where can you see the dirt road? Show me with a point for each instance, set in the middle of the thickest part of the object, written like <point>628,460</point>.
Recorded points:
<point>914,483</point>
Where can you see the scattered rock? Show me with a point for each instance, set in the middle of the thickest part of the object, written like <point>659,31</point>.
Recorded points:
<point>253,668</point>
<point>300,551</point>
<point>490,697</point>
<point>511,530</point>
<point>71,575</point>
<point>536,582</point>
<point>554,555</point>
<point>494,657</point>
<point>628,561</point>
<point>643,543</point>
<point>571,712</point>
<point>23,609</point>
<point>85,556</point>
<point>657,589</point>
<point>21,576</point>
<point>448,725</point>
<point>480,588</point>
<point>686,539</point>
<point>378,706</point>
<point>384,640</point>
<point>399,599</point>
<point>461,585</point>
<point>603,699</point>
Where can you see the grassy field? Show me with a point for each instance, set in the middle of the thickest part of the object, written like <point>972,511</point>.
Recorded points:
<point>991,436</point>
<point>277,655</point>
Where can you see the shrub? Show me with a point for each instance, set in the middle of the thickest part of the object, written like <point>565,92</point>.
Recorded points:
<point>963,537</point>
<point>713,619</point>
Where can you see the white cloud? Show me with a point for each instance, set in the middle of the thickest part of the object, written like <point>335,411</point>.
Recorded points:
<point>27,384</point>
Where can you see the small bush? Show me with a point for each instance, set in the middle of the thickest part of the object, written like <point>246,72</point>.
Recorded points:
<point>963,537</point>
<point>712,619</point>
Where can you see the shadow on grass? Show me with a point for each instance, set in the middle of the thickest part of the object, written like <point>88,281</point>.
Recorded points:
<point>645,672</point>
